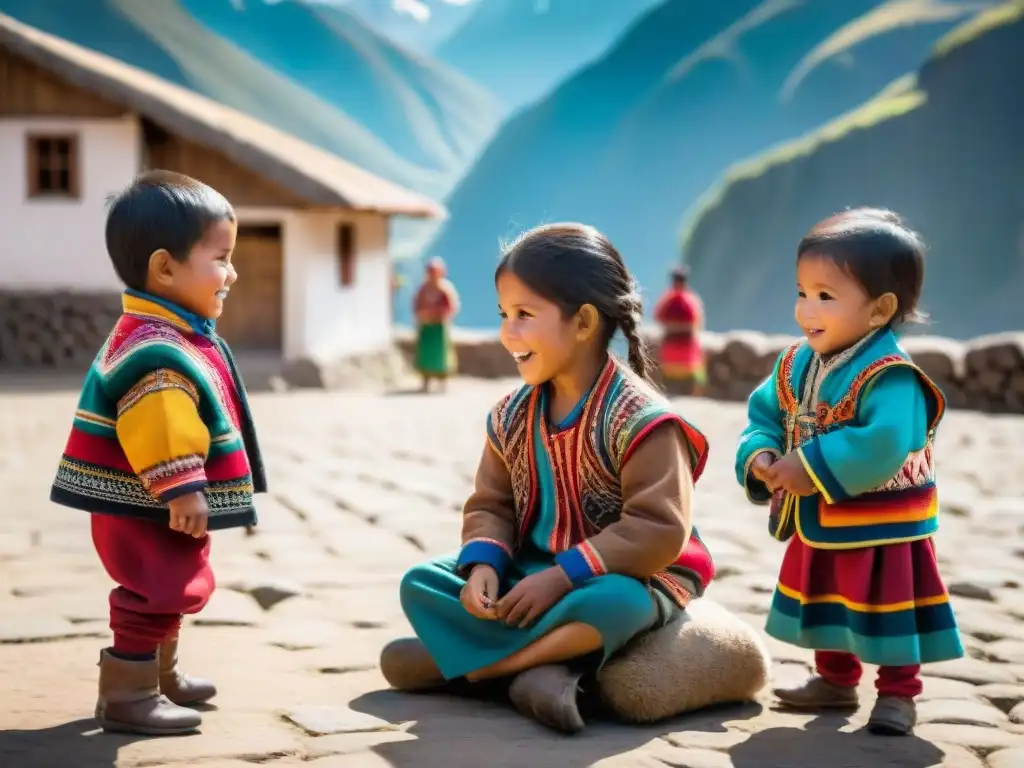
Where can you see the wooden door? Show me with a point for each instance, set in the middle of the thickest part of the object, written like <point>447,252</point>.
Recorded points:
<point>252,317</point>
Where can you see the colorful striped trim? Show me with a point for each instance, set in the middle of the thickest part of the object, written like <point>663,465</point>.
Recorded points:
<point>150,310</point>
<point>641,422</point>
<point>919,636</point>
<point>485,551</point>
<point>86,486</point>
<point>158,381</point>
<point>175,466</point>
<point>581,563</point>
<point>593,558</point>
<point>179,485</point>
<point>180,475</point>
<point>94,418</point>
<point>904,605</point>
<point>785,391</point>
<point>494,542</point>
<point>915,505</point>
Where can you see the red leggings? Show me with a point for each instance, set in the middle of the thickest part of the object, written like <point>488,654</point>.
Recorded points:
<point>844,670</point>
<point>161,574</point>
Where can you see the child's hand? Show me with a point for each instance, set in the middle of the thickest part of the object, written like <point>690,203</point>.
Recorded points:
<point>528,600</point>
<point>788,473</point>
<point>480,591</point>
<point>189,514</point>
<point>760,465</point>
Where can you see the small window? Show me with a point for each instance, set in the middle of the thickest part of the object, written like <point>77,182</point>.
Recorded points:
<point>53,166</point>
<point>347,254</point>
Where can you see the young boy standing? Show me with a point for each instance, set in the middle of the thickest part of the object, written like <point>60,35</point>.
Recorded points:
<point>162,447</point>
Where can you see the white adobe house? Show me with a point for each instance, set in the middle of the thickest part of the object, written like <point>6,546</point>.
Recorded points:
<point>312,253</point>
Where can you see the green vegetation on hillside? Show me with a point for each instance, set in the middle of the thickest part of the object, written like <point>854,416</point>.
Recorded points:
<point>941,148</point>
<point>897,99</point>
<point>1001,15</point>
<point>876,23</point>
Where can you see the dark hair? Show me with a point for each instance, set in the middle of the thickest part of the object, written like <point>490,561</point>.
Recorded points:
<point>159,210</point>
<point>572,265</point>
<point>680,275</point>
<point>877,249</point>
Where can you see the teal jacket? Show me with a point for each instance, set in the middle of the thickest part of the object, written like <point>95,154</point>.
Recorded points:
<point>865,440</point>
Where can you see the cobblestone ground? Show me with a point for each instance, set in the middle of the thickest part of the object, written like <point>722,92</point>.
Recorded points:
<point>365,485</point>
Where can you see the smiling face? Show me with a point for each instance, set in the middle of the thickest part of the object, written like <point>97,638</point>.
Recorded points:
<point>833,309</point>
<point>201,283</point>
<point>534,330</point>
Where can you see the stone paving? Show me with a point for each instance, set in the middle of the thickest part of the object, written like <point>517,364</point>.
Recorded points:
<point>366,484</point>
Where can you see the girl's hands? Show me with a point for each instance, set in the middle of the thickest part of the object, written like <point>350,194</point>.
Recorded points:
<point>760,465</point>
<point>528,600</point>
<point>480,592</point>
<point>788,474</point>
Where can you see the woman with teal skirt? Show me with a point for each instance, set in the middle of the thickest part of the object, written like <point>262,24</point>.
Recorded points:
<point>577,537</point>
<point>435,305</point>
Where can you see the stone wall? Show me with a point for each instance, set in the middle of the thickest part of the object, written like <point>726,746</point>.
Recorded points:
<point>63,331</point>
<point>54,331</point>
<point>984,374</point>
<point>44,332</point>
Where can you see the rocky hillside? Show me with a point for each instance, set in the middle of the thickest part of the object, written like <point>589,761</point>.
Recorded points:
<point>942,147</point>
<point>521,49</point>
<point>690,88</point>
<point>315,71</point>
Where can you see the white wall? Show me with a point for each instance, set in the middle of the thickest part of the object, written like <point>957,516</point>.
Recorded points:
<point>322,319</point>
<point>52,244</point>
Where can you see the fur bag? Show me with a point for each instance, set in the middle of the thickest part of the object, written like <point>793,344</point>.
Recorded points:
<point>704,656</point>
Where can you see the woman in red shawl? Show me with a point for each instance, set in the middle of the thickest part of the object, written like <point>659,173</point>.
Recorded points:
<point>681,316</point>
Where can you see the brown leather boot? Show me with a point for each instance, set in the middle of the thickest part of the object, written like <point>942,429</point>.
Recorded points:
<point>183,690</point>
<point>407,666</point>
<point>130,700</point>
<point>549,694</point>
<point>818,693</point>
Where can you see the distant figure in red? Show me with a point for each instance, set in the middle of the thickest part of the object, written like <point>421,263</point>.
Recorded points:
<point>680,313</point>
<point>436,303</point>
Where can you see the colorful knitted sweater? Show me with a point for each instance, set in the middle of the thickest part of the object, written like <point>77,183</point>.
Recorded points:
<point>162,413</point>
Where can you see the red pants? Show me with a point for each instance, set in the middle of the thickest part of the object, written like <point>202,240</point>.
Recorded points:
<point>161,574</point>
<point>844,670</point>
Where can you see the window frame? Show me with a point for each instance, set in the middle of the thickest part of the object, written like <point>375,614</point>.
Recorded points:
<point>33,158</point>
<point>347,258</point>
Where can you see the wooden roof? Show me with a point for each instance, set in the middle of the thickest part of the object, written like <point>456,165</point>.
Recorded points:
<point>318,176</point>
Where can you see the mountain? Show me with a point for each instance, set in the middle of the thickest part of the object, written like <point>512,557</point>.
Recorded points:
<point>423,110</point>
<point>943,148</point>
<point>692,87</point>
<point>521,49</point>
<point>316,72</point>
<point>418,25</point>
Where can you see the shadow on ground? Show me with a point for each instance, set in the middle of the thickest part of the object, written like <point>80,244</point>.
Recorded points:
<point>79,743</point>
<point>451,731</point>
<point>821,743</point>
